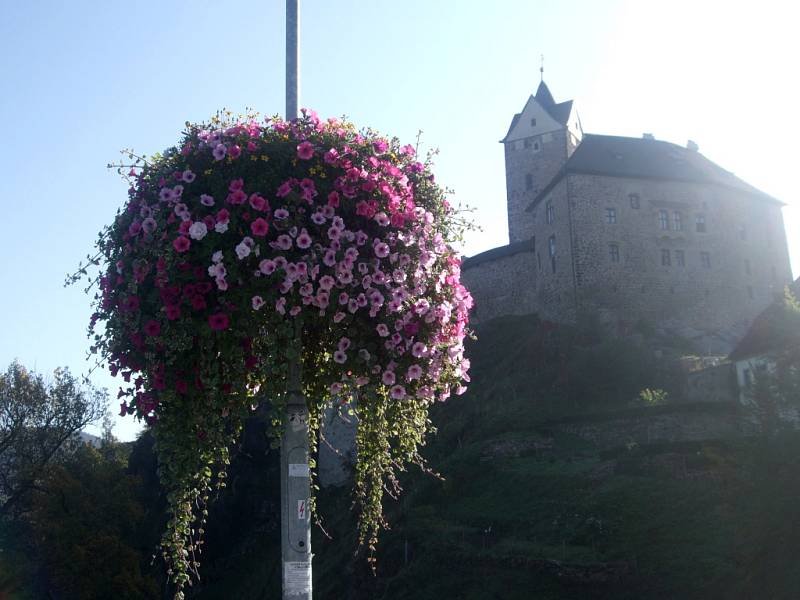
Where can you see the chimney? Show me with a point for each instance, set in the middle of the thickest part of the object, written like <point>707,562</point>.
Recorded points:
<point>648,136</point>
<point>692,145</point>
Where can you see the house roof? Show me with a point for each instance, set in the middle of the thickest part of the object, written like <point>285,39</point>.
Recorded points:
<point>642,158</point>
<point>776,328</point>
<point>497,253</point>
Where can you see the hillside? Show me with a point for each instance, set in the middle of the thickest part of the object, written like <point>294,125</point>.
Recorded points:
<point>555,486</point>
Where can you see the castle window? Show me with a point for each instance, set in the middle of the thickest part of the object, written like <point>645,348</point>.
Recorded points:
<point>613,251</point>
<point>535,146</point>
<point>665,258</point>
<point>677,221</point>
<point>528,182</point>
<point>611,216</point>
<point>533,122</point>
<point>551,245</point>
<point>527,143</point>
<point>705,260</point>
<point>634,198</point>
<point>663,220</point>
<point>550,211</point>
<point>680,258</point>
<point>700,222</point>
<point>747,266</point>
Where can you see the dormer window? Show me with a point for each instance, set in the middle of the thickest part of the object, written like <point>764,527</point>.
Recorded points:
<point>533,122</point>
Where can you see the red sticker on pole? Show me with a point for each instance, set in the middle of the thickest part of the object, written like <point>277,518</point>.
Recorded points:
<point>301,510</point>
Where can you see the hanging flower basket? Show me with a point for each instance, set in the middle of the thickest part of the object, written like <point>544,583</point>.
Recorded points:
<point>230,237</point>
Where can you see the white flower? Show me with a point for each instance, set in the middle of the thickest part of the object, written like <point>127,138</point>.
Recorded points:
<point>221,227</point>
<point>217,256</point>
<point>198,230</point>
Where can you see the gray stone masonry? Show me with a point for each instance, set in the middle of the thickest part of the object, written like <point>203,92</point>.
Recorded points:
<point>542,158</point>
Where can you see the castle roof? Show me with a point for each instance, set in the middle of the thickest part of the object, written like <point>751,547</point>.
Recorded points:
<point>496,253</point>
<point>776,328</point>
<point>642,158</point>
<point>560,112</point>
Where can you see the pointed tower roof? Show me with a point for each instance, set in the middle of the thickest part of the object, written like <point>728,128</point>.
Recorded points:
<point>560,112</point>
<point>544,97</point>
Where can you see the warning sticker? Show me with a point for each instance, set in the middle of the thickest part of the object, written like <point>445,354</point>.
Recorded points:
<point>298,470</point>
<point>297,577</point>
<point>302,510</point>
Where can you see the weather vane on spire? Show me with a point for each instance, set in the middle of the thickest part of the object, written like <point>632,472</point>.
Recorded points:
<point>541,69</point>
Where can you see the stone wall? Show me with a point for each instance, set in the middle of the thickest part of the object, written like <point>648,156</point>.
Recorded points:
<point>501,281</point>
<point>555,287</point>
<point>540,157</point>
<point>713,384</point>
<point>687,423</point>
<point>717,279</point>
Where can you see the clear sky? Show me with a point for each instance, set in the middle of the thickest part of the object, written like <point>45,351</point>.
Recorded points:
<point>81,80</point>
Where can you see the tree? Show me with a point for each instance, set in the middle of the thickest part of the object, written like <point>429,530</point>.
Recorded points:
<point>88,531</point>
<point>38,420</point>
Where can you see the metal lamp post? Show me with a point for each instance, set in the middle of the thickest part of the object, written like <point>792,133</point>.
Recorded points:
<point>295,482</point>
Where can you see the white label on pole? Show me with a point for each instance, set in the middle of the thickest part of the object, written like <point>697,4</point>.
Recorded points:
<point>302,510</point>
<point>298,470</point>
<point>297,577</point>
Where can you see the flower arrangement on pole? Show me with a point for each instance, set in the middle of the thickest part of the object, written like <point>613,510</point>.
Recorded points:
<point>246,232</point>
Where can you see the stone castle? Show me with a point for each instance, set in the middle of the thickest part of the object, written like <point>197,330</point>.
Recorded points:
<point>627,230</point>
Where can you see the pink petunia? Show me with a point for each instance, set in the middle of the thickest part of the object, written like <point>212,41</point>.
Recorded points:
<point>257,302</point>
<point>397,392</point>
<point>259,227</point>
<point>152,328</point>
<point>219,321</point>
<point>303,239</point>
<point>305,150</point>
<point>181,244</point>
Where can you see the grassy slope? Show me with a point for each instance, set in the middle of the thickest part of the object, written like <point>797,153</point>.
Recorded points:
<point>568,521</point>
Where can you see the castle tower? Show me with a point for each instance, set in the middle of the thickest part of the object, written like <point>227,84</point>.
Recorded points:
<point>539,141</point>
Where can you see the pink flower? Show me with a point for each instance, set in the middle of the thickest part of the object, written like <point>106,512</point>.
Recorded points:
<point>336,387</point>
<point>344,344</point>
<point>303,239</point>
<point>419,350</point>
<point>258,202</point>
<point>219,321</point>
<point>188,176</point>
<point>305,150</point>
<point>257,302</point>
<point>234,151</point>
<point>173,312</point>
<point>259,227</point>
<point>397,392</point>
<point>388,378</point>
<point>152,328</point>
<point>235,185</point>
<point>339,357</point>
<point>219,152</point>
<point>267,266</point>
<point>284,189</point>
<point>382,330</point>
<point>414,372</point>
<point>181,244</point>
<point>381,250</point>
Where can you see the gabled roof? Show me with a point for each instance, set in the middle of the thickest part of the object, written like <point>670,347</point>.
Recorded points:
<point>642,158</point>
<point>776,328</point>
<point>560,112</point>
<point>496,253</point>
